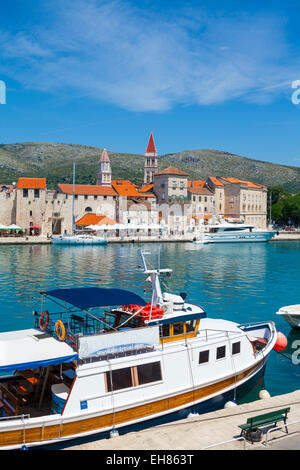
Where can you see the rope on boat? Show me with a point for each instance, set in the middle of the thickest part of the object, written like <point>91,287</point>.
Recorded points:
<point>284,355</point>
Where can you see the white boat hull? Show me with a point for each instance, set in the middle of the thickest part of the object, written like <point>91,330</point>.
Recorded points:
<point>291,315</point>
<point>66,428</point>
<point>73,240</point>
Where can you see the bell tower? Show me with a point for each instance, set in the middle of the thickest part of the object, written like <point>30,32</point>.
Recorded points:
<point>104,170</point>
<point>150,166</point>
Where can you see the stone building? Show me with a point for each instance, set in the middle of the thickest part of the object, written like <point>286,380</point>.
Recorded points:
<point>87,199</point>
<point>246,200</point>
<point>30,205</point>
<point>170,187</point>
<point>134,206</point>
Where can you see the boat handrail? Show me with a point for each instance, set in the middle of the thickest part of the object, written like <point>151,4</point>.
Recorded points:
<point>15,417</point>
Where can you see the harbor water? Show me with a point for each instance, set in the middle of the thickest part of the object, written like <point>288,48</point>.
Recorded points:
<point>243,283</point>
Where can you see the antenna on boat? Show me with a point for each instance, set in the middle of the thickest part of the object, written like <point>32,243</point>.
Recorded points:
<point>157,297</point>
<point>152,271</point>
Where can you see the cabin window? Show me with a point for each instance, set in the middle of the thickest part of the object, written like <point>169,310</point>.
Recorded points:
<point>221,352</point>
<point>149,373</point>
<point>118,379</point>
<point>203,357</point>
<point>164,331</point>
<point>236,348</point>
<point>178,328</point>
<point>191,326</point>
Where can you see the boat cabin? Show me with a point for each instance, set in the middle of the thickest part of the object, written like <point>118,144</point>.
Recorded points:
<point>229,228</point>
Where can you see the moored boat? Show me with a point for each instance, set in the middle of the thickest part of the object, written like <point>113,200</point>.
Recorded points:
<point>106,359</point>
<point>291,314</point>
<point>233,232</point>
<point>78,239</point>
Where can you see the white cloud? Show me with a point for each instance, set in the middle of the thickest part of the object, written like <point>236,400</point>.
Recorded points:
<point>115,52</point>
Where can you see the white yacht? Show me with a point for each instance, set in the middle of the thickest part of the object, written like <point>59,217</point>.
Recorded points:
<point>291,314</point>
<point>106,359</point>
<point>227,232</point>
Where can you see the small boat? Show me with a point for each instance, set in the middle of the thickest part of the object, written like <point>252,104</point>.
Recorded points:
<point>224,231</point>
<point>78,239</point>
<point>107,359</point>
<point>291,314</point>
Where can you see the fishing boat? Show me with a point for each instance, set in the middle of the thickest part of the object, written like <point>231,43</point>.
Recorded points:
<point>224,231</point>
<point>107,359</point>
<point>291,314</point>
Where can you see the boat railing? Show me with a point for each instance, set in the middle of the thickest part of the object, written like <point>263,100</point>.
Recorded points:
<point>15,417</point>
<point>74,326</point>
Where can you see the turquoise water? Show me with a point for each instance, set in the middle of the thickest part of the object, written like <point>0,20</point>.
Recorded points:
<point>239,282</point>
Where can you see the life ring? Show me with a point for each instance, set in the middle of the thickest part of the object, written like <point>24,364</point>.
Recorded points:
<point>43,323</point>
<point>60,330</point>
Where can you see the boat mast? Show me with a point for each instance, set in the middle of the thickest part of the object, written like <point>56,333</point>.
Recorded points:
<point>73,201</point>
<point>154,276</point>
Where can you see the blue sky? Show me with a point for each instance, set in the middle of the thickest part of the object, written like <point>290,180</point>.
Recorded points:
<point>199,74</point>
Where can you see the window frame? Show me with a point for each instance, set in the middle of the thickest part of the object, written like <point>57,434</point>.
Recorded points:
<point>221,348</point>
<point>204,362</point>
<point>234,344</point>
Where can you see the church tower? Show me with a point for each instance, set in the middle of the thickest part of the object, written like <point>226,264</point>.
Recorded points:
<point>150,166</point>
<point>104,170</point>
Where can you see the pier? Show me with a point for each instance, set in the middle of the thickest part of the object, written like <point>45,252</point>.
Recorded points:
<point>218,430</point>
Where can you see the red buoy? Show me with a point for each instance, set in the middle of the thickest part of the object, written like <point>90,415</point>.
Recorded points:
<point>281,342</point>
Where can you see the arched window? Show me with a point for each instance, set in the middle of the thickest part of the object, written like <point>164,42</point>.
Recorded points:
<point>88,209</point>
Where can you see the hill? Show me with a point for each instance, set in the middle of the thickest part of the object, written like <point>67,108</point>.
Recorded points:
<point>55,162</point>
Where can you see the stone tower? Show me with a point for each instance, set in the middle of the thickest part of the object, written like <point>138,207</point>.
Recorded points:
<point>104,170</point>
<point>150,166</point>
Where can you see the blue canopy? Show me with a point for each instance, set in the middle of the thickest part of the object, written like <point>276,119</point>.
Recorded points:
<point>88,297</point>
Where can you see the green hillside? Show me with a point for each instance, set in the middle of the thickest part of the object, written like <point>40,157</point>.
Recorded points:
<point>55,162</point>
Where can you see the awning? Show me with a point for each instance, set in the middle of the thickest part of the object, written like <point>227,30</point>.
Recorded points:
<point>29,349</point>
<point>10,227</point>
<point>89,297</point>
<point>97,228</point>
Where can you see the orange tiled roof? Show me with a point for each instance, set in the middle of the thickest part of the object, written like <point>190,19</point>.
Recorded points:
<point>31,183</point>
<point>200,191</point>
<point>216,181</point>
<point>196,184</point>
<point>146,188</point>
<point>87,190</point>
<point>125,188</point>
<point>129,189</point>
<point>171,170</point>
<point>249,183</point>
<point>94,219</point>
